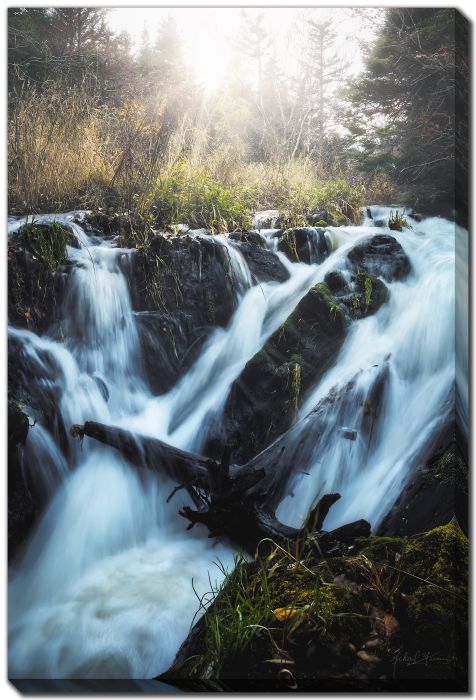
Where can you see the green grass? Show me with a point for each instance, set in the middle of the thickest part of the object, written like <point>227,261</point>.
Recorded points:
<point>201,202</point>
<point>266,611</point>
<point>47,242</point>
<point>397,222</point>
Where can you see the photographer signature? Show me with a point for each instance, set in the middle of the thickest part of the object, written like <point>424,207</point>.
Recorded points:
<point>420,658</point>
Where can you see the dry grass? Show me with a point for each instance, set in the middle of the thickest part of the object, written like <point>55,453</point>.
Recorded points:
<point>66,149</point>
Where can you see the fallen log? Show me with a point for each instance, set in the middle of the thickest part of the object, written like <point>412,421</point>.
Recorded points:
<point>230,500</point>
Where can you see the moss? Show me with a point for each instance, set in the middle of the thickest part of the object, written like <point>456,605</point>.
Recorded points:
<point>368,291</point>
<point>245,627</point>
<point>295,385</point>
<point>211,309</point>
<point>435,566</point>
<point>451,470</point>
<point>355,306</point>
<point>153,278</point>
<point>35,254</point>
<point>379,548</point>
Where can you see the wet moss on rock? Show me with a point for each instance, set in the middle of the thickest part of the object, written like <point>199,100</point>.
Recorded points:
<point>37,254</point>
<point>388,611</point>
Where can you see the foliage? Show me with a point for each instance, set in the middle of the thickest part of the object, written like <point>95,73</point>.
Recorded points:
<point>201,202</point>
<point>47,242</point>
<point>267,610</point>
<point>404,118</point>
<point>397,222</point>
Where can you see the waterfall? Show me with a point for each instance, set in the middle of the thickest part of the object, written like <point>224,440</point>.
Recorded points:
<point>104,586</point>
<point>414,334</point>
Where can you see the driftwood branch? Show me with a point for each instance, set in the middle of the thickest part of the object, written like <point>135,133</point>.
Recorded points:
<point>230,500</point>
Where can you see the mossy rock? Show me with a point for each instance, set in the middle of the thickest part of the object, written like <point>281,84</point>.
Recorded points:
<point>319,612</point>
<point>370,294</point>
<point>336,282</point>
<point>37,257</point>
<point>46,241</point>
<point>266,396</point>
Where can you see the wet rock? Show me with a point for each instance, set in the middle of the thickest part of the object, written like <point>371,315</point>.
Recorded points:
<point>362,295</point>
<point>382,256</point>
<point>319,218</point>
<point>369,294</point>
<point>438,488</point>
<point>337,282</point>
<point>169,345</point>
<point>102,224</point>
<point>306,244</point>
<point>265,266</point>
<point>267,219</point>
<point>21,510</point>
<point>37,273</point>
<point>190,274</point>
<point>264,400</point>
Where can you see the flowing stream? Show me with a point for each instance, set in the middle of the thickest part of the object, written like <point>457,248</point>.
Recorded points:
<point>103,588</point>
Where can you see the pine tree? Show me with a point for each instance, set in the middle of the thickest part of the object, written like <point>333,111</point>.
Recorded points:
<point>404,104</point>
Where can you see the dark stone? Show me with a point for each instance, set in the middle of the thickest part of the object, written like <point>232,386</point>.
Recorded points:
<point>264,399</point>
<point>336,282</point>
<point>437,490</point>
<point>265,266</point>
<point>382,256</point>
<point>322,215</point>
<point>190,274</point>
<point>170,343</point>
<point>102,224</point>
<point>252,237</point>
<point>369,295</point>
<point>35,285</point>
<point>307,244</point>
<point>21,510</point>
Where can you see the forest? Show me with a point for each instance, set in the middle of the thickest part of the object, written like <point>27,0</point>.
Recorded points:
<point>238,349</point>
<point>131,130</point>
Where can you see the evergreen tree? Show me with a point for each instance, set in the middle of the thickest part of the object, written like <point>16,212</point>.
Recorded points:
<point>404,104</point>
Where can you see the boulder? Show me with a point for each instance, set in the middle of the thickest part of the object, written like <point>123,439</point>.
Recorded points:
<point>37,273</point>
<point>362,295</point>
<point>265,266</point>
<point>306,244</point>
<point>264,399</point>
<point>21,510</point>
<point>382,256</point>
<point>267,219</point>
<point>190,274</point>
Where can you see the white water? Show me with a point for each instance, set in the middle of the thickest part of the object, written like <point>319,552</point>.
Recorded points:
<point>416,332</point>
<point>104,587</point>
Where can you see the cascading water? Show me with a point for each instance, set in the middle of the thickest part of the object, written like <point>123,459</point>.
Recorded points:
<point>414,334</point>
<point>103,588</point>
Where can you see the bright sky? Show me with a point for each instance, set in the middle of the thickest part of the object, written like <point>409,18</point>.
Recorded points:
<point>207,32</point>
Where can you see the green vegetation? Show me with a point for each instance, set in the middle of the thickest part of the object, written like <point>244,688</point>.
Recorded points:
<point>266,611</point>
<point>451,470</point>
<point>397,222</point>
<point>415,84</point>
<point>48,242</point>
<point>201,202</point>
<point>368,291</point>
